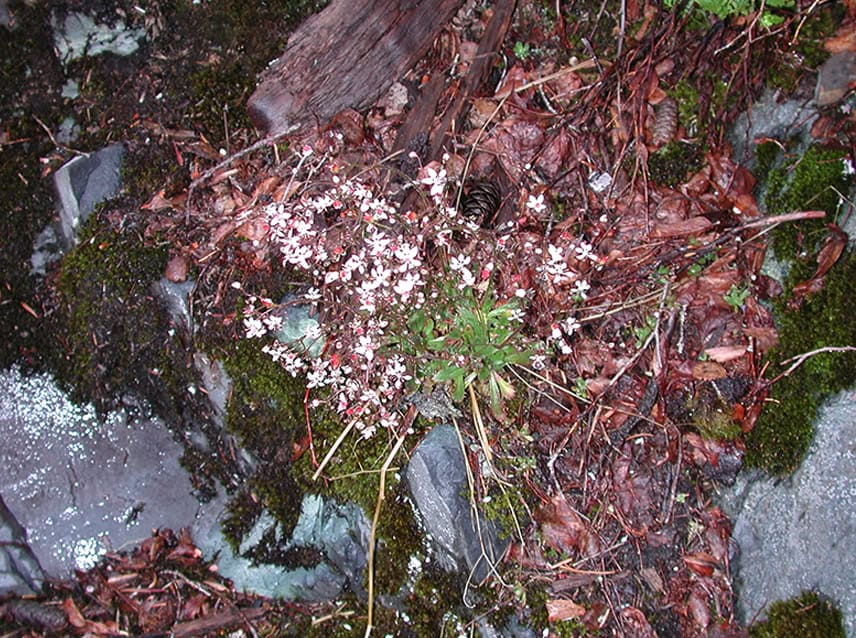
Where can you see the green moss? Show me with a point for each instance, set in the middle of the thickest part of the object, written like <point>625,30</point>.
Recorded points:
<point>242,512</point>
<point>671,164</point>
<point>784,428</point>
<point>715,423</point>
<point>806,616</point>
<point>766,155</point>
<point>116,335</point>
<point>813,181</point>
<point>697,111</point>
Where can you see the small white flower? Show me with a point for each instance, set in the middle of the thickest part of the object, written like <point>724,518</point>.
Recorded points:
<point>517,314</point>
<point>538,361</point>
<point>313,294</point>
<point>581,288</point>
<point>571,325</point>
<point>272,322</point>
<point>535,203</point>
<point>467,278</point>
<point>459,262</point>
<point>254,328</point>
<point>406,285</point>
<point>408,255</point>
<point>435,179</point>
<point>318,375</point>
<point>584,250</point>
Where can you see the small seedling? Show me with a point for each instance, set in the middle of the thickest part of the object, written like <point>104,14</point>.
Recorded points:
<point>521,50</point>
<point>644,331</point>
<point>736,296</point>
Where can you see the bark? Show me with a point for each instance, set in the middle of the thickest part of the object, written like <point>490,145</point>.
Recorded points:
<point>346,56</point>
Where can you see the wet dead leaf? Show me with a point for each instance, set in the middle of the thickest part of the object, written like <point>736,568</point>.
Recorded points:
<point>563,529</point>
<point>559,609</point>
<point>722,354</point>
<point>84,626</point>
<point>636,624</point>
<point>684,228</point>
<point>843,40</point>
<point>701,563</point>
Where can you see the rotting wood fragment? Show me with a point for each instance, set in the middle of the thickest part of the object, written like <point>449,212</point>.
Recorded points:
<point>346,56</point>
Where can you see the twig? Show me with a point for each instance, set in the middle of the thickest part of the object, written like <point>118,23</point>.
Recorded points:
<point>411,414</point>
<point>267,141</point>
<point>333,449</point>
<point>799,359</point>
<point>54,141</point>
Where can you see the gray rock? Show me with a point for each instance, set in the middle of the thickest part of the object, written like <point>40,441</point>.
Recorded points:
<point>800,533</point>
<point>437,479</point>
<point>769,117</point>
<point>20,572</point>
<point>82,486</point>
<point>339,532</point>
<point>5,16</point>
<point>436,405</point>
<point>176,299</point>
<point>77,35</point>
<point>836,78</point>
<point>84,182</point>
<point>297,323</point>
<point>218,385</point>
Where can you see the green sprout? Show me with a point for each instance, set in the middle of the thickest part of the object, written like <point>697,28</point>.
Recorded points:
<point>736,296</point>
<point>521,50</point>
<point>644,331</point>
<point>723,9</point>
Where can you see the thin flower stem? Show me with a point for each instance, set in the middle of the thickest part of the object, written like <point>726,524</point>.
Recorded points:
<point>372,537</point>
<point>333,449</point>
<point>800,359</point>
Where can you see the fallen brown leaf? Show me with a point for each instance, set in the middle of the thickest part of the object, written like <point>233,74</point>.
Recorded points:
<point>708,371</point>
<point>721,354</point>
<point>701,563</point>
<point>559,609</point>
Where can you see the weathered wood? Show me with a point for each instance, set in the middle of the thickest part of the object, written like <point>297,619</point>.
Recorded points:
<point>478,73</point>
<point>346,56</point>
<point>420,119</point>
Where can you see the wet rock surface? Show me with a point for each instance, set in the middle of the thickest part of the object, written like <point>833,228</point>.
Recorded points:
<point>20,572</point>
<point>81,184</point>
<point>82,486</point>
<point>79,34</point>
<point>330,535</point>
<point>800,533</point>
<point>437,479</point>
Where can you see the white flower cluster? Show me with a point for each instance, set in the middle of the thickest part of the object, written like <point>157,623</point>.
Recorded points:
<point>363,258</point>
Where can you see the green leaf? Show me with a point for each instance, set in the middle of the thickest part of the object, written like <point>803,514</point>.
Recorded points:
<point>449,372</point>
<point>438,343</point>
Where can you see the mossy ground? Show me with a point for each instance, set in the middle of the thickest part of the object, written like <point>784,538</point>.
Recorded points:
<point>806,616</point>
<point>784,430</point>
<point>115,332</point>
<point>813,180</point>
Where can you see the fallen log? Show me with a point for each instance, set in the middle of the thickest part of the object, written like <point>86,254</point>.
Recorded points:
<point>346,56</point>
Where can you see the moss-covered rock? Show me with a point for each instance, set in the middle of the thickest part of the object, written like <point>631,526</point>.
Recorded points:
<point>806,616</point>
<point>784,428</point>
<point>811,181</point>
<point>115,337</point>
